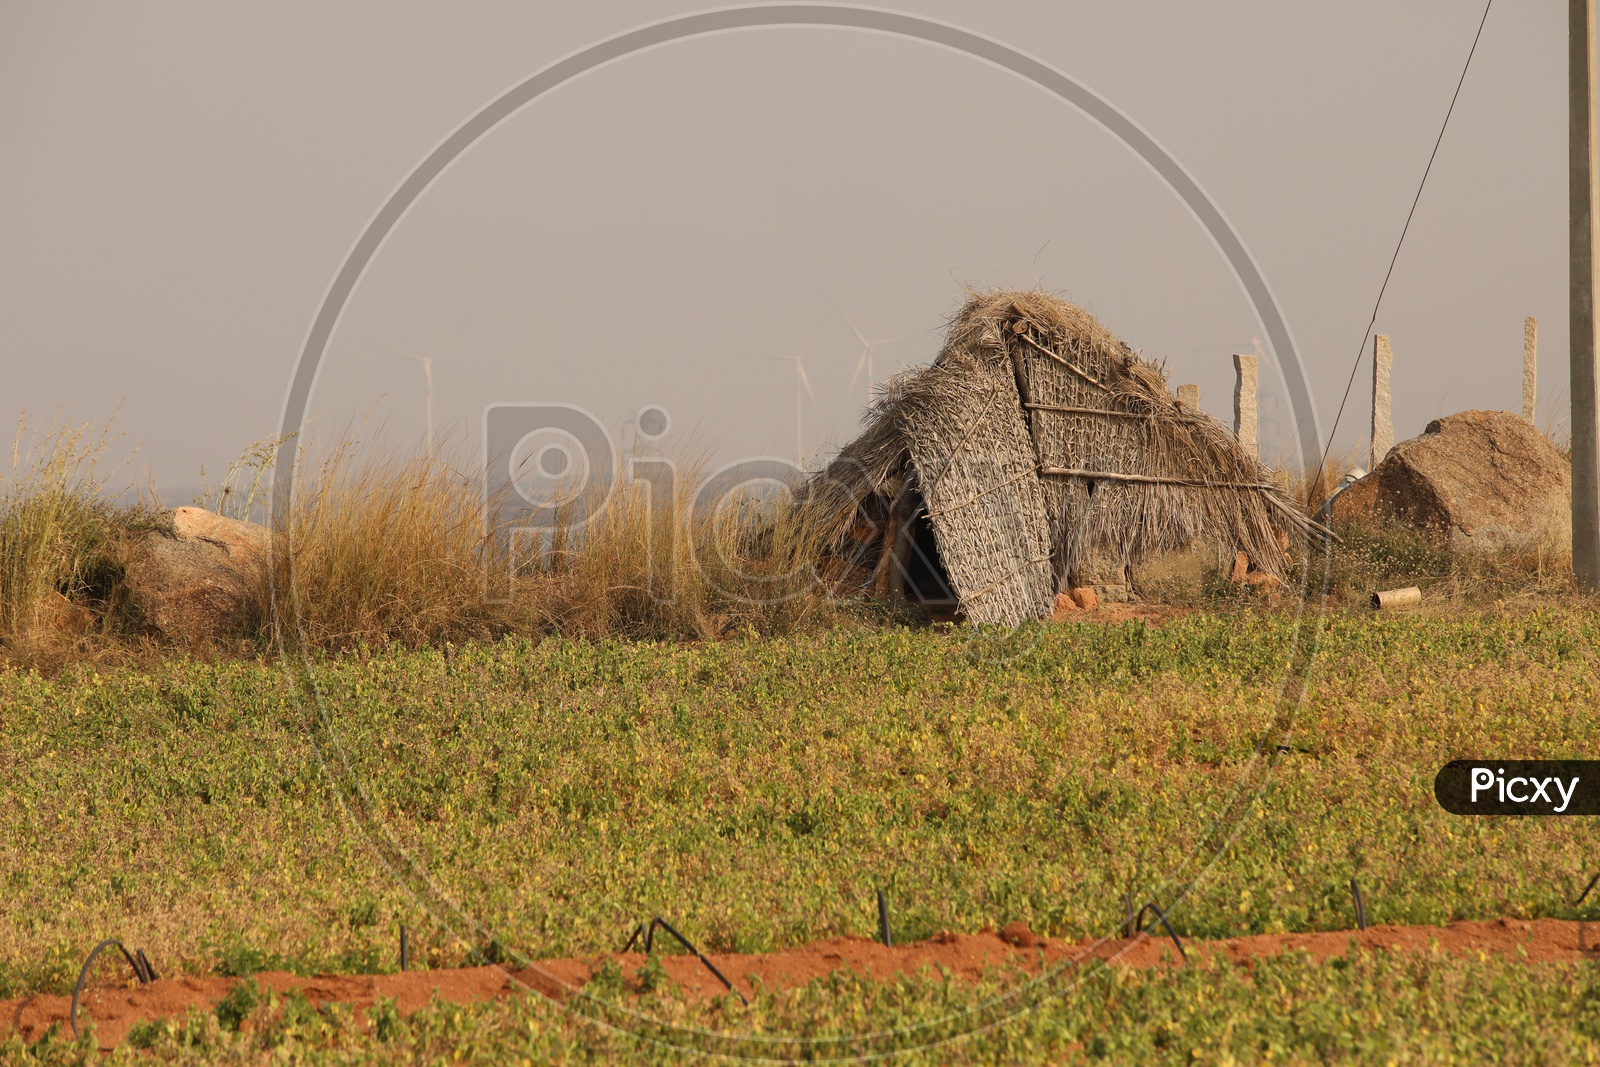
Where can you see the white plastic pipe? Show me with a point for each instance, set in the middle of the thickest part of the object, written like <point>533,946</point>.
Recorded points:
<point>1396,598</point>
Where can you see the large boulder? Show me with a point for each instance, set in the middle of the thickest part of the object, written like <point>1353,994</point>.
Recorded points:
<point>1478,480</point>
<point>198,577</point>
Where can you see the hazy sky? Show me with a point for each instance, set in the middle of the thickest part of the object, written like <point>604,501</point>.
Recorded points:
<point>182,181</point>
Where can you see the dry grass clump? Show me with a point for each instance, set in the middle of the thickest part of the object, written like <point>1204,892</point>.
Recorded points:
<point>380,548</point>
<point>60,536</point>
<point>393,548</point>
<point>1390,555</point>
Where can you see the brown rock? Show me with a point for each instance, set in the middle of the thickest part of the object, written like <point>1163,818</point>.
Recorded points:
<point>1073,601</point>
<point>1481,480</point>
<point>197,579</point>
<point>233,534</point>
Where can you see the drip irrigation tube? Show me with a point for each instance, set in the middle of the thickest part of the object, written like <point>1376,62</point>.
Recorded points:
<point>137,960</point>
<point>647,932</point>
<point>1584,895</point>
<point>1162,919</point>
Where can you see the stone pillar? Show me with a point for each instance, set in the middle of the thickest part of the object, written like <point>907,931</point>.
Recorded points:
<point>1244,404</point>
<point>1382,423</point>
<point>1530,366</point>
<point>1189,396</point>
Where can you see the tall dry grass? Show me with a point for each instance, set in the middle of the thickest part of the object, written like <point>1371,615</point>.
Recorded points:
<point>384,546</point>
<point>60,534</point>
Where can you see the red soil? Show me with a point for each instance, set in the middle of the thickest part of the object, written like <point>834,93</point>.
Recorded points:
<point>114,1009</point>
<point>1081,605</point>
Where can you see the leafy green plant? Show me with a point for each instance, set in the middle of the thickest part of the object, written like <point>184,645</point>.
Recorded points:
<point>145,1034</point>
<point>240,1003</point>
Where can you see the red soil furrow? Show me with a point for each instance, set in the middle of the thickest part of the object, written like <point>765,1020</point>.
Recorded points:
<point>113,1010</point>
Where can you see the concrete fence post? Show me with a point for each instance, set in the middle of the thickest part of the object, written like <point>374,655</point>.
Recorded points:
<point>1530,366</point>
<point>1382,421</point>
<point>1189,396</point>
<point>1244,405</point>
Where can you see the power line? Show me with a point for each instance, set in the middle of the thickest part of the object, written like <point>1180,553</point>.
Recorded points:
<point>1362,349</point>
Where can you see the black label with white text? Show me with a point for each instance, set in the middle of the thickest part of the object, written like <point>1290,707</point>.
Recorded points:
<point>1519,787</point>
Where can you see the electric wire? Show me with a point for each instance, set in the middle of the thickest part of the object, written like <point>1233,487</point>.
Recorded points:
<point>1362,349</point>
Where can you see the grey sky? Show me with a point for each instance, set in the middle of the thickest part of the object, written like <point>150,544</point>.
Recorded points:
<point>183,180</point>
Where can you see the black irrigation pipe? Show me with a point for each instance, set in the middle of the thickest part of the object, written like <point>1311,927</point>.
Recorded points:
<point>405,947</point>
<point>1162,919</point>
<point>1128,929</point>
<point>137,960</point>
<point>884,933</point>
<point>648,930</point>
<point>1360,905</point>
<point>1584,895</point>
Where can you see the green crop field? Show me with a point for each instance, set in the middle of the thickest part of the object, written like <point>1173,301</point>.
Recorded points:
<point>534,800</point>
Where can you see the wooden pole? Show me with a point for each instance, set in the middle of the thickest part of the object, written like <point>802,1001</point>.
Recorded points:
<point>1581,211</point>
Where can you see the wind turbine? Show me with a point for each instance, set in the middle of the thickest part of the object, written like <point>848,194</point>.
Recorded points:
<point>801,381</point>
<point>865,362</point>
<point>427,369</point>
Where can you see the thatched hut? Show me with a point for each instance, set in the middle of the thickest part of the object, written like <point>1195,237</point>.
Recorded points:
<point>1035,443</point>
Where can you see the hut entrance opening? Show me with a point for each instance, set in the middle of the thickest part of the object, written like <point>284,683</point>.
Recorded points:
<point>926,582</point>
<point>904,559</point>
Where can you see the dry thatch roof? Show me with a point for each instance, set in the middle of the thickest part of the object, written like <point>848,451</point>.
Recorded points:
<point>1034,439</point>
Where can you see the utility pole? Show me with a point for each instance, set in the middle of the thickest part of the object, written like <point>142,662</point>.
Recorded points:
<point>1581,210</point>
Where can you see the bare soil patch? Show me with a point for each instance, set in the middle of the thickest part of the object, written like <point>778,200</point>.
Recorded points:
<point>113,1010</point>
<point>1116,612</point>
